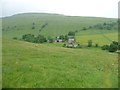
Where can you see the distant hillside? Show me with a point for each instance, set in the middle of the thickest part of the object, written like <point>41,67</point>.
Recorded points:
<point>17,25</point>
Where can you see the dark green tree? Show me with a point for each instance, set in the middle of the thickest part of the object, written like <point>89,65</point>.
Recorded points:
<point>28,37</point>
<point>71,33</point>
<point>84,28</point>
<point>40,39</point>
<point>113,48</point>
<point>62,37</point>
<point>66,37</point>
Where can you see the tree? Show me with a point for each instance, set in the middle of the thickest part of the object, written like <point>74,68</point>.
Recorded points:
<point>104,24</point>
<point>118,47</point>
<point>66,37</point>
<point>108,27</point>
<point>28,37</point>
<point>15,38</point>
<point>96,45</point>
<point>84,28</point>
<point>71,33</point>
<point>50,39</point>
<point>32,38</point>
<point>43,26</point>
<point>40,39</point>
<point>90,27</point>
<point>76,31</point>
<point>33,27</point>
<point>113,47</point>
<point>61,37</point>
<point>115,42</point>
<point>64,45</point>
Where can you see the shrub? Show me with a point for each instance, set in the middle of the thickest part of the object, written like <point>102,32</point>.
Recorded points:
<point>33,27</point>
<point>96,45</point>
<point>105,47</point>
<point>84,28</point>
<point>79,46</point>
<point>76,31</point>
<point>64,45</point>
<point>89,43</point>
<point>15,38</point>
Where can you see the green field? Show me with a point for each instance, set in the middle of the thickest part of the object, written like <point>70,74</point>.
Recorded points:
<point>49,65</point>
<point>99,38</point>
<point>30,65</point>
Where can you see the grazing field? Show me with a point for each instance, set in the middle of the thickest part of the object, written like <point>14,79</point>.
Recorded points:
<point>50,65</point>
<point>101,39</point>
<point>37,65</point>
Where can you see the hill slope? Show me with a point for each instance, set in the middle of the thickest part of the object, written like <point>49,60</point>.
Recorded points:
<point>36,65</point>
<point>48,65</point>
<point>17,25</point>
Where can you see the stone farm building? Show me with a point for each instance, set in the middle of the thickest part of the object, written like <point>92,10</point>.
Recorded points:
<point>71,42</point>
<point>58,39</point>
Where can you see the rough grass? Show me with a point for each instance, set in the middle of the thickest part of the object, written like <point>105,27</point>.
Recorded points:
<point>36,65</point>
<point>48,65</point>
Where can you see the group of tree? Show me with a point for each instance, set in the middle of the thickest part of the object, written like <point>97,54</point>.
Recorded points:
<point>90,44</point>
<point>107,26</point>
<point>42,26</point>
<point>113,47</point>
<point>50,39</point>
<point>33,38</point>
<point>71,33</point>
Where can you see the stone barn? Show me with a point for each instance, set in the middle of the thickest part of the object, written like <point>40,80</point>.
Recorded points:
<point>71,42</point>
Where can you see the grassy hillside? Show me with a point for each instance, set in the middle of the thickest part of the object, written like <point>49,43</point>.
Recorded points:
<point>49,65</point>
<point>37,65</point>
<point>17,25</point>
